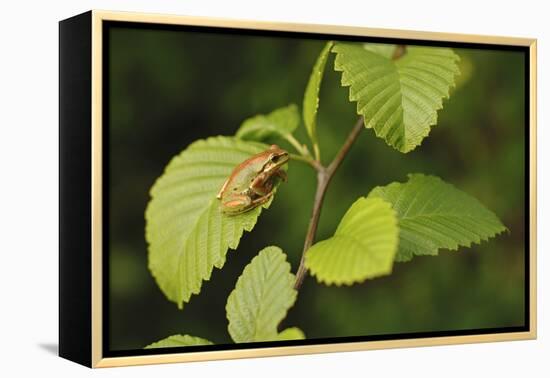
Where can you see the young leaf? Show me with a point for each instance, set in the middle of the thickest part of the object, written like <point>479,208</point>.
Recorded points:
<point>398,99</point>
<point>261,298</point>
<point>363,246</point>
<point>279,123</point>
<point>292,333</point>
<point>187,233</point>
<point>434,214</point>
<point>311,96</point>
<point>177,341</point>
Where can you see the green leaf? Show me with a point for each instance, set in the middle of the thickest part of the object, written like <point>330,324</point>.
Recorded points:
<point>178,341</point>
<point>435,215</point>
<point>187,233</point>
<point>262,296</point>
<point>363,246</point>
<point>311,96</point>
<point>399,98</point>
<point>292,333</point>
<point>278,123</point>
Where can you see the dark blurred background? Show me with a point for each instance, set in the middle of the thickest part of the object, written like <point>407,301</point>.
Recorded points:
<point>169,88</point>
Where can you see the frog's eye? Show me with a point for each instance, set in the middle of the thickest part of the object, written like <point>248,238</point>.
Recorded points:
<point>276,158</point>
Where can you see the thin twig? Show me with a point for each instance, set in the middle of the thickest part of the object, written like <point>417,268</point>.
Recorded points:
<point>300,148</point>
<point>316,152</point>
<point>324,175</point>
<point>313,223</point>
<point>345,147</point>
<point>315,164</point>
<point>399,51</point>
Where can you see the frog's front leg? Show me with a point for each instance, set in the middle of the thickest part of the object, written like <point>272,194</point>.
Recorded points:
<point>262,185</point>
<point>282,175</point>
<point>237,203</point>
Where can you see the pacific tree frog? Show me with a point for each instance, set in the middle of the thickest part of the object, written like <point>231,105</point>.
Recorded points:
<point>251,183</point>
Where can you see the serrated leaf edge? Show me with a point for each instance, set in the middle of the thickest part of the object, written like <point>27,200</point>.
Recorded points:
<point>352,281</point>
<point>346,82</point>
<point>435,252</point>
<point>218,264</point>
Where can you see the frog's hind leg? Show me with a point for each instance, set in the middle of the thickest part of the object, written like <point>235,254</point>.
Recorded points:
<point>236,204</point>
<point>261,200</point>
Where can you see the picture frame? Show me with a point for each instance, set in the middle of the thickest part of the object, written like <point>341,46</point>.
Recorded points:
<point>84,112</point>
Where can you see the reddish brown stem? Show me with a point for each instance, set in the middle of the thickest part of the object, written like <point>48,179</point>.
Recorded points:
<point>324,175</point>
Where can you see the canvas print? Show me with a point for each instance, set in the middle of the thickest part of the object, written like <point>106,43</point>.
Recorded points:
<point>269,188</point>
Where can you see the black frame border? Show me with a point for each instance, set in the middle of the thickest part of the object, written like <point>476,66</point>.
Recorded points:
<point>106,352</point>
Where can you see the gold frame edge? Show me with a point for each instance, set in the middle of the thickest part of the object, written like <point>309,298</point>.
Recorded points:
<point>533,187</point>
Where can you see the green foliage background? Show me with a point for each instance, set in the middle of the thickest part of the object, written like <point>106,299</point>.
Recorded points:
<point>169,88</point>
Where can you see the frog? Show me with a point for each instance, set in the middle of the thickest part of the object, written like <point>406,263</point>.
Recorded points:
<point>251,183</point>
